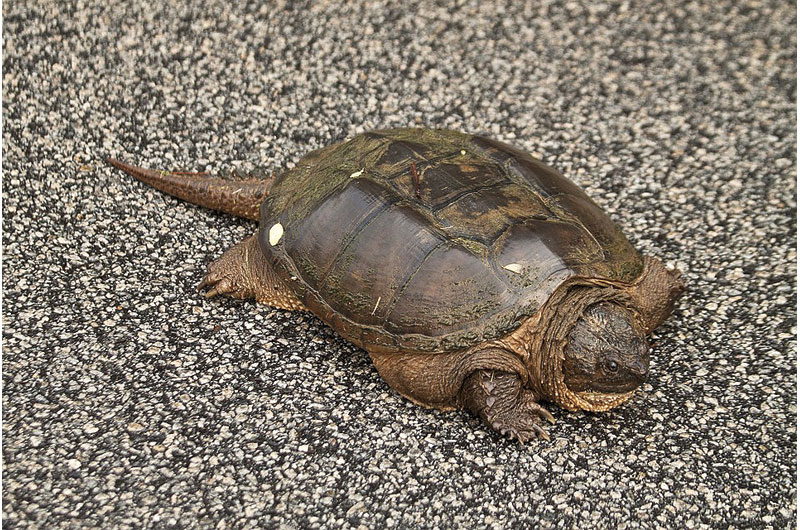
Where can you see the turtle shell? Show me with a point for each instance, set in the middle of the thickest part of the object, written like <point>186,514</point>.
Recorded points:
<point>433,240</point>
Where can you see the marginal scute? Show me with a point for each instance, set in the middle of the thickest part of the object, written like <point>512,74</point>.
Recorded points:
<point>463,255</point>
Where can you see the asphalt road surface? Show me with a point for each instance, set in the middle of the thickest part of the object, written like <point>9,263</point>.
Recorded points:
<point>131,401</point>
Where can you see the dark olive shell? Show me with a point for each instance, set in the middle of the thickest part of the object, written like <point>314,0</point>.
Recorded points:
<point>433,240</point>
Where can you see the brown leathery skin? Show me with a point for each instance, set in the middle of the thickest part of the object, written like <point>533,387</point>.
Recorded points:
<point>435,379</point>
<point>463,257</point>
<point>541,340</point>
<point>239,197</point>
<point>534,352</point>
<point>242,272</point>
<point>459,263</point>
<point>606,351</point>
<point>655,293</point>
<point>502,401</point>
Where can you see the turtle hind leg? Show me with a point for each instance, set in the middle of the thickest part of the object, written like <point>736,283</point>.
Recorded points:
<point>242,272</point>
<point>501,401</point>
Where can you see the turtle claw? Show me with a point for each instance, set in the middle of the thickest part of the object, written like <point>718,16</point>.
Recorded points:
<point>522,422</point>
<point>212,293</point>
<point>540,411</point>
<point>500,399</point>
<point>222,287</point>
<point>219,285</point>
<point>224,276</point>
<point>528,430</point>
<point>242,272</point>
<point>524,431</point>
<point>540,432</point>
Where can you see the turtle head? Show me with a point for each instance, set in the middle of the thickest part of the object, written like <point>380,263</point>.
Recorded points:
<point>606,352</point>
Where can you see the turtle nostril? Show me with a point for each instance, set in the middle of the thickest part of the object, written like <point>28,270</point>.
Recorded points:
<point>642,370</point>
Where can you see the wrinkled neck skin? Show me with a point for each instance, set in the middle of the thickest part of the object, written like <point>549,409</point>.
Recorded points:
<point>541,340</point>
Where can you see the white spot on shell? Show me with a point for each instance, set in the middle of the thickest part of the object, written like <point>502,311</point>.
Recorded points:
<point>357,174</point>
<point>275,234</point>
<point>516,268</point>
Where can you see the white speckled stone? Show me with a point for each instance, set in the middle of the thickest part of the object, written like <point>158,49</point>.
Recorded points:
<point>130,401</point>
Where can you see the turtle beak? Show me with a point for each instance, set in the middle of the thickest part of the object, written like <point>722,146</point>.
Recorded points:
<point>640,371</point>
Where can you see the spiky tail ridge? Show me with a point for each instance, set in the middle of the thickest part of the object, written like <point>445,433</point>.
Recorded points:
<point>240,197</point>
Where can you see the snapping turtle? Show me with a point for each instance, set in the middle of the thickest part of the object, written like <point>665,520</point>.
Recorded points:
<point>475,276</point>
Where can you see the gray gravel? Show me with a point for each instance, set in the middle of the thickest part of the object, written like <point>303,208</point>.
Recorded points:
<point>129,400</point>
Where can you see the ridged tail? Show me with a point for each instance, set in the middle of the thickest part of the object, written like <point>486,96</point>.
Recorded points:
<point>239,197</point>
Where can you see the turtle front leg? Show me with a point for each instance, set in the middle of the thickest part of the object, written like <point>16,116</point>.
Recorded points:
<point>504,404</point>
<point>243,272</point>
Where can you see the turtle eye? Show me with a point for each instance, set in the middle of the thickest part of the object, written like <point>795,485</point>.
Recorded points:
<point>612,366</point>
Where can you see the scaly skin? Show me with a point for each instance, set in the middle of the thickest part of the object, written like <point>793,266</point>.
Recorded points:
<point>500,380</point>
<point>241,198</point>
<point>500,400</point>
<point>242,272</point>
